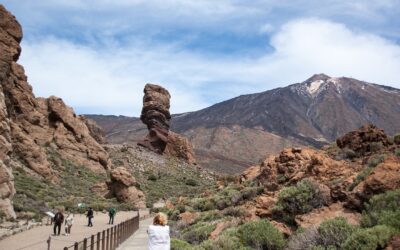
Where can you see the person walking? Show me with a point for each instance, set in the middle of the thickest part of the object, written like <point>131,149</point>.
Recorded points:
<point>68,223</point>
<point>58,220</point>
<point>90,217</point>
<point>159,238</point>
<point>111,214</point>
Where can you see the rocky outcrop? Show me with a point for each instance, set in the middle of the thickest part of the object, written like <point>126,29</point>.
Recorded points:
<point>122,186</point>
<point>31,128</point>
<point>361,140</point>
<point>180,147</point>
<point>10,36</point>
<point>317,216</point>
<point>95,130</point>
<point>384,177</point>
<point>155,114</point>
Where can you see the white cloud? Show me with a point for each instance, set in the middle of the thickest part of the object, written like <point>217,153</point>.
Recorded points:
<point>111,79</point>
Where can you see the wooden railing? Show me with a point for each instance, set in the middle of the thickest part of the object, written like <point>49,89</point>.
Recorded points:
<point>108,239</point>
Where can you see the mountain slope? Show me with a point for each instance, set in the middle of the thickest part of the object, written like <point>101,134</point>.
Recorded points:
<point>239,132</point>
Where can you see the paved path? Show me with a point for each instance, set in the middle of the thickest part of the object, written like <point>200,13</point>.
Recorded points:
<point>138,241</point>
<point>35,239</point>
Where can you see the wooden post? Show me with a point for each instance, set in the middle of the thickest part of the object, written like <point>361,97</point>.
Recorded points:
<point>98,241</point>
<point>84,244</point>
<point>48,243</point>
<point>92,242</point>
<point>103,240</point>
<point>108,239</point>
<point>76,245</point>
<point>115,237</point>
<point>111,239</point>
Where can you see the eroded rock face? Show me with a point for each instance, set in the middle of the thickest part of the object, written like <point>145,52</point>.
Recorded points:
<point>122,185</point>
<point>155,114</point>
<point>30,126</point>
<point>384,177</point>
<point>360,140</point>
<point>180,147</point>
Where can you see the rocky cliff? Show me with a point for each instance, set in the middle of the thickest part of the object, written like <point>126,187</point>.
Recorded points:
<point>38,134</point>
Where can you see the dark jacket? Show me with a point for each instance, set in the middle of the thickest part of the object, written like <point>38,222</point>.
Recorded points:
<point>90,213</point>
<point>58,218</point>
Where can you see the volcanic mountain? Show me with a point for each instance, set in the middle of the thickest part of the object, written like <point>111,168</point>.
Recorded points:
<point>234,134</point>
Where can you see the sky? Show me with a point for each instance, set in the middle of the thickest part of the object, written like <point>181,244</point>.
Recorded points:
<point>97,55</point>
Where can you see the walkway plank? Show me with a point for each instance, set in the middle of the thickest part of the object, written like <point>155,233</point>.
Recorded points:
<point>138,241</point>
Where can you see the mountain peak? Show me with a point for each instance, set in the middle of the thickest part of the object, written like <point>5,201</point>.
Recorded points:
<point>318,77</point>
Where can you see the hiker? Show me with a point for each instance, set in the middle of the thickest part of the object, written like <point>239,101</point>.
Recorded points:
<point>111,214</point>
<point>58,220</point>
<point>90,217</point>
<point>159,233</point>
<point>68,223</point>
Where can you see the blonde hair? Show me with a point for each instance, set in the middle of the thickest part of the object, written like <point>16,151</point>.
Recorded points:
<point>160,219</point>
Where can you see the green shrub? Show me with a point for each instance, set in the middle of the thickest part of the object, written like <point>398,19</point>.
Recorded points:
<point>198,232</point>
<point>191,182</point>
<point>261,235</point>
<point>234,211</point>
<point>349,154</point>
<point>397,152</point>
<point>370,238</point>
<point>299,199</point>
<point>396,139</point>
<point>223,242</point>
<point>373,161</point>
<point>360,177</point>
<point>375,146</point>
<point>203,204</point>
<point>383,209</point>
<point>250,192</point>
<point>209,216</point>
<point>304,239</point>
<point>335,232</point>
<point>152,177</point>
<point>177,244</point>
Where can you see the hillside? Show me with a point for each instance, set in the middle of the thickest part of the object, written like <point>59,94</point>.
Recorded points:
<point>234,134</point>
<point>345,196</point>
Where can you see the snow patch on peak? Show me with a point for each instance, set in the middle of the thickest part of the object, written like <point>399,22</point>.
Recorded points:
<point>314,86</point>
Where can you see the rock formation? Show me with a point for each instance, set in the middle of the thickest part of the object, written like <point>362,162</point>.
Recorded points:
<point>32,128</point>
<point>122,186</point>
<point>361,140</point>
<point>155,114</point>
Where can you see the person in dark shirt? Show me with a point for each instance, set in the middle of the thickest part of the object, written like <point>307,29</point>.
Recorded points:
<point>58,221</point>
<point>111,214</point>
<point>90,217</point>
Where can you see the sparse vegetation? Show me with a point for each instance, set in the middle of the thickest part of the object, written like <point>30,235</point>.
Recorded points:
<point>298,199</point>
<point>370,239</point>
<point>261,235</point>
<point>396,139</point>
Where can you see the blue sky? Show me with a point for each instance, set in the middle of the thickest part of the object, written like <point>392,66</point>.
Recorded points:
<point>98,55</point>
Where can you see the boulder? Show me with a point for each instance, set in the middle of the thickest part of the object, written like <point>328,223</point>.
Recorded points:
<point>122,186</point>
<point>361,140</point>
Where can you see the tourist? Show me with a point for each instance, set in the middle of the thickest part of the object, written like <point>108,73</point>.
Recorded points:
<point>68,223</point>
<point>159,233</point>
<point>111,214</point>
<point>90,217</point>
<point>58,220</point>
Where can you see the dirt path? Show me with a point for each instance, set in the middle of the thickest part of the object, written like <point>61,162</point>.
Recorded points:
<point>138,241</point>
<point>35,239</point>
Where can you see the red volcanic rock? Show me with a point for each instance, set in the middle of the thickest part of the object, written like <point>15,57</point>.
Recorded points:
<point>360,140</point>
<point>180,147</point>
<point>155,114</point>
<point>122,187</point>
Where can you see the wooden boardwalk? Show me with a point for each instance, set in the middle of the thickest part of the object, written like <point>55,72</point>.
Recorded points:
<point>138,241</point>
